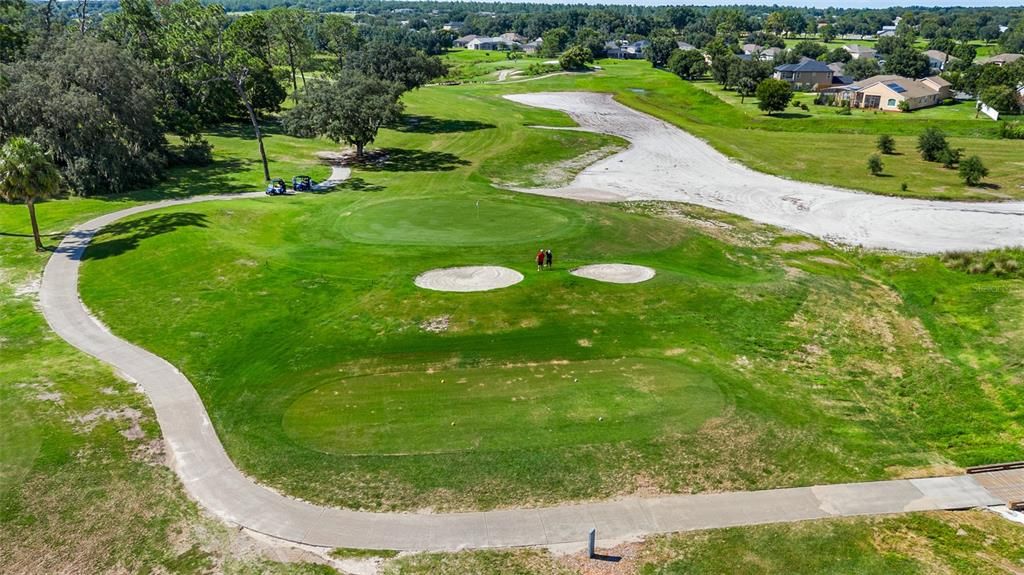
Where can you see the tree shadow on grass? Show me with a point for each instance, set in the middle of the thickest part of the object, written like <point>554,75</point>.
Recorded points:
<point>404,160</point>
<point>431,125</point>
<point>126,236</point>
<point>789,115</point>
<point>185,181</point>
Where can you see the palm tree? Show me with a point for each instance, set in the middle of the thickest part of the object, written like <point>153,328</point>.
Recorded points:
<point>27,174</point>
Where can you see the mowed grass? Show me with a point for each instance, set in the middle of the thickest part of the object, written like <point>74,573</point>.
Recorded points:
<point>502,408</point>
<point>824,369</point>
<point>817,146</point>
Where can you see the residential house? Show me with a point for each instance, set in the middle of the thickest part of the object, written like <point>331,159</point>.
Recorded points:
<point>937,60</point>
<point>751,49</point>
<point>806,75</point>
<point>685,46</point>
<point>482,43</point>
<point>1000,59</point>
<point>770,53</point>
<point>533,47</point>
<point>892,93</point>
<point>625,50</point>
<point>453,26</point>
<point>464,41</point>
<point>858,52</point>
<point>886,31</point>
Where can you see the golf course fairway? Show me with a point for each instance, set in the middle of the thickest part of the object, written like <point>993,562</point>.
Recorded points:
<point>752,359</point>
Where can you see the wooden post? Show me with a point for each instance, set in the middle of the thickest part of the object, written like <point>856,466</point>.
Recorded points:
<point>591,541</point>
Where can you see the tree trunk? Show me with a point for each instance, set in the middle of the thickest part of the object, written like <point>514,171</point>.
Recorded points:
<point>305,89</point>
<point>359,150</point>
<point>48,18</point>
<point>240,89</point>
<point>291,65</point>
<point>31,203</point>
<point>83,10</point>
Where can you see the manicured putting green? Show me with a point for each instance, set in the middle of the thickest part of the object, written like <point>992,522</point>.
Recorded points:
<point>498,408</point>
<point>457,222</point>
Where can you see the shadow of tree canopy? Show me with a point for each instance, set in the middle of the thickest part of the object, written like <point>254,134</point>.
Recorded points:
<point>430,125</point>
<point>126,236</point>
<point>353,184</point>
<point>183,181</point>
<point>403,160</point>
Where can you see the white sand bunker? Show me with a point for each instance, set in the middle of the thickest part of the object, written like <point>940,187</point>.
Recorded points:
<point>469,278</point>
<point>615,273</point>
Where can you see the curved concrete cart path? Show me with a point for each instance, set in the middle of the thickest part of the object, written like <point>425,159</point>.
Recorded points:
<point>666,163</point>
<point>211,478</point>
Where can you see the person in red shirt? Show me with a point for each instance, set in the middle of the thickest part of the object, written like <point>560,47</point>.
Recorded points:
<point>540,259</point>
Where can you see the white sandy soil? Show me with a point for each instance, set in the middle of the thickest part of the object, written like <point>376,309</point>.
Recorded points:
<point>667,163</point>
<point>615,273</point>
<point>469,278</point>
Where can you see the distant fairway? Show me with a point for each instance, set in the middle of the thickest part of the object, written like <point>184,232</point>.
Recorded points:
<point>457,222</point>
<point>539,406</point>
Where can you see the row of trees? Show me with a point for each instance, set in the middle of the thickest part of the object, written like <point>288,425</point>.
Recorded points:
<point>101,98</point>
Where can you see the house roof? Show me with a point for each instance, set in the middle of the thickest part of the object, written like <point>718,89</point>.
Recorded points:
<point>939,55</point>
<point>751,48</point>
<point>685,45</point>
<point>805,66</point>
<point>837,67</point>
<point>1004,58</point>
<point>905,87</point>
<point>939,81</point>
<point>467,38</point>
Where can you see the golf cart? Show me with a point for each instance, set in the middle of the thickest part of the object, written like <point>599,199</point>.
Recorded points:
<point>302,183</point>
<point>276,187</point>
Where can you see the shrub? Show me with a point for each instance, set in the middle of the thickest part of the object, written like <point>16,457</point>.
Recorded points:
<point>950,157</point>
<point>844,111</point>
<point>972,170</point>
<point>193,151</point>
<point>1011,130</point>
<point>931,143</point>
<point>875,165</point>
<point>536,69</point>
<point>886,144</point>
<point>904,187</point>
<point>904,106</point>
<point>575,58</point>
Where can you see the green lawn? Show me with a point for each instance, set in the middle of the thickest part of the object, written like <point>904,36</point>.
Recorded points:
<point>772,367</point>
<point>487,409</point>
<point>822,365</point>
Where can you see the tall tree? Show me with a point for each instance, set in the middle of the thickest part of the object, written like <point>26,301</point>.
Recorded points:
<point>907,61</point>
<point>337,35</point>
<point>93,108</point>
<point>26,175</point>
<point>351,108</point>
<point>13,30</point>
<point>773,95</point>
<point>288,27</point>
<point>204,51</point>
<point>396,63</point>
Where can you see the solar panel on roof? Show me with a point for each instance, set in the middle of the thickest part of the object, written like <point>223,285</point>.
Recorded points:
<point>896,87</point>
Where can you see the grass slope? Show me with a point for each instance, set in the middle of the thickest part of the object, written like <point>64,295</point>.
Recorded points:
<point>830,366</point>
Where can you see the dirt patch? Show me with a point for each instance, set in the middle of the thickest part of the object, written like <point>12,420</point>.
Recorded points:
<point>804,246</point>
<point>28,288</point>
<point>437,324</point>
<point>621,559</point>
<point>87,422</point>
<point>828,261</point>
